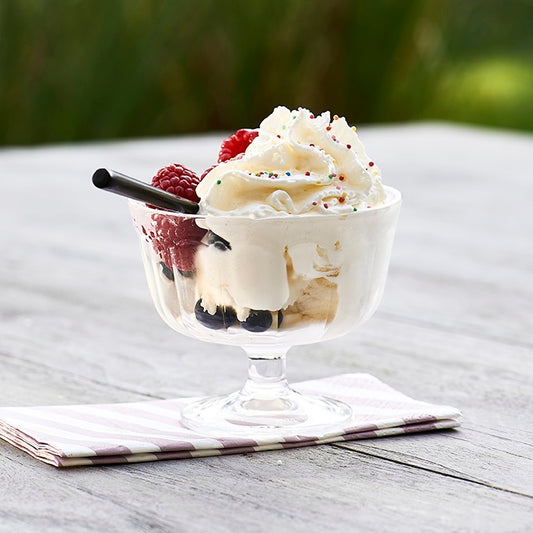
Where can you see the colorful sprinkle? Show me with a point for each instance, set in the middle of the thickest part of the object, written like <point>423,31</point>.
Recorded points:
<point>341,178</point>
<point>330,176</point>
<point>371,163</point>
<point>354,128</point>
<point>335,117</point>
<point>348,146</point>
<point>341,199</point>
<point>278,136</point>
<point>308,173</point>
<point>218,182</point>
<point>355,208</point>
<point>328,128</point>
<point>283,127</point>
<point>288,173</point>
<point>326,206</point>
<point>311,115</point>
<point>314,203</point>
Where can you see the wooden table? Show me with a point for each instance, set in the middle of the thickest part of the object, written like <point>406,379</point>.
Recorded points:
<point>455,327</point>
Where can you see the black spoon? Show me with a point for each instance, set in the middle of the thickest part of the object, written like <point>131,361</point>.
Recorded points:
<point>123,185</point>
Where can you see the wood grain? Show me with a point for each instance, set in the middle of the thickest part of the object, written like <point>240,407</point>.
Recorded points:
<point>455,326</point>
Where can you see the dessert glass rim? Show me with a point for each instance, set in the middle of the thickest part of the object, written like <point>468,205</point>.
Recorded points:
<point>393,197</point>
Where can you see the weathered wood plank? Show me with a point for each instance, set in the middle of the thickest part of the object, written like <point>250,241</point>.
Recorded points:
<point>328,488</point>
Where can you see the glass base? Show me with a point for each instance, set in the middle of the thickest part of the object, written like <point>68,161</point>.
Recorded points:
<point>266,405</point>
<point>241,414</point>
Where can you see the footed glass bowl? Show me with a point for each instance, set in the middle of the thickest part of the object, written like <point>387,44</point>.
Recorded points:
<point>266,285</point>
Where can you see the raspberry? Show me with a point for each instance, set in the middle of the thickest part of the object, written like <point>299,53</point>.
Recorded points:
<point>178,180</point>
<point>207,171</point>
<point>176,239</point>
<point>236,144</point>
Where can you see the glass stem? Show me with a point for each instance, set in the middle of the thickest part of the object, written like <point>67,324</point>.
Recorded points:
<point>266,375</point>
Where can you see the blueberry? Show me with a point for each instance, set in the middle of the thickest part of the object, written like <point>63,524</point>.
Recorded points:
<point>224,317</point>
<point>257,321</point>
<point>167,272</point>
<point>217,241</point>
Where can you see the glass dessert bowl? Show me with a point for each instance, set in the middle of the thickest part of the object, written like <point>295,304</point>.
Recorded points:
<point>266,284</point>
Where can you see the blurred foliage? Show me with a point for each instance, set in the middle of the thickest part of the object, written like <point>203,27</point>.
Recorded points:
<point>93,69</point>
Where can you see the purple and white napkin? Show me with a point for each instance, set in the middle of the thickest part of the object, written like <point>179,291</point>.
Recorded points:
<point>73,435</point>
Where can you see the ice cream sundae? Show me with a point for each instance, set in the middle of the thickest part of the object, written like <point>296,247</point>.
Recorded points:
<point>292,237</point>
<point>285,240</point>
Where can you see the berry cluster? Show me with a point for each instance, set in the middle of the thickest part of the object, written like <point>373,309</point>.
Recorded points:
<point>176,240</point>
<point>225,317</point>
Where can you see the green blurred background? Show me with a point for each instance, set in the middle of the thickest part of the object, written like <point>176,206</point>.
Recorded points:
<point>88,69</point>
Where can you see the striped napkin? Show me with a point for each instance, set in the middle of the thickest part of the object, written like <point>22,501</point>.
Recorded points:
<point>73,435</point>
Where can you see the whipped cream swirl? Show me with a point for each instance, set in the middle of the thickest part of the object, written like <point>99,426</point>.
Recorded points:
<point>298,164</point>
